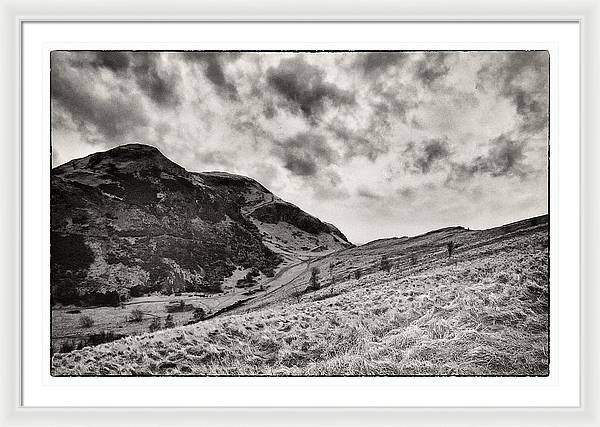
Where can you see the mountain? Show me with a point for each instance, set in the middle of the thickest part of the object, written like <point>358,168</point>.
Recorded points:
<point>129,221</point>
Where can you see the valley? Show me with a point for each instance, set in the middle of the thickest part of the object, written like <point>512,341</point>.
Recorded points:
<point>481,311</point>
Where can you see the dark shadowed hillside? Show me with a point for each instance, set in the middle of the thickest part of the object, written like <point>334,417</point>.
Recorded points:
<point>129,221</point>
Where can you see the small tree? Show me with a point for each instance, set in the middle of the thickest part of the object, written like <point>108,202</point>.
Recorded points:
<point>357,274</point>
<point>154,325</point>
<point>298,295</point>
<point>169,323</point>
<point>137,315</point>
<point>178,307</point>
<point>385,263</point>
<point>450,246</point>
<point>199,314</point>
<point>86,321</point>
<point>313,282</point>
<point>67,347</point>
<point>331,276</point>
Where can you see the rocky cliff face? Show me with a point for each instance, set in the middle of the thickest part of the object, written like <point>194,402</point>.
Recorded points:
<point>129,221</point>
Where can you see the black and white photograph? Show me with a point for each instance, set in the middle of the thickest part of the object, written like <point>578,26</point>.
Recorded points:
<point>299,213</point>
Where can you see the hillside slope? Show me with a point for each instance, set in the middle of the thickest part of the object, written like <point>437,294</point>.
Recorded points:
<point>129,221</point>
<point>482,311</point>
<point>405,255</point>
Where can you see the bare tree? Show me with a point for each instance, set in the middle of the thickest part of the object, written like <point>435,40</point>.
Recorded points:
<point>385,263</point>
<point>331,276</point>
<point>450,246</point>
<point>298,295</point>
<point>314,281</point>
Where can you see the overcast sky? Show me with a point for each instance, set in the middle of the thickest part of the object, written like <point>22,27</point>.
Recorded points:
<point>379,144</point>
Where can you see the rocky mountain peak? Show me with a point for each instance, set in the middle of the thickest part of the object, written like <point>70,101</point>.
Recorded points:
<point>129,221</point>
<point>128,158</point>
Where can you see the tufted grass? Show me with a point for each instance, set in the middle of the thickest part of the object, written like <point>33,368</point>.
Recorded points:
<point>483,312</point>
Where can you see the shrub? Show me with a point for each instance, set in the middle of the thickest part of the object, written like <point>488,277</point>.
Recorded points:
<point>169,323</point>
<point>331,276</point>
<point>246,281</point>
<point>385,263</point>
<point>413,260</point>
<point>450,246</point>
<point>137,315</point>
<point>313,282</point>
<point>102,337</point>
<point>199,314</point>
<point>178,307</point>
<point>357,274</point>
<point>154,325</point>
<point>67,347</point>
<point>297,294</point>
<point>86,321</point>
<point>249,279</point>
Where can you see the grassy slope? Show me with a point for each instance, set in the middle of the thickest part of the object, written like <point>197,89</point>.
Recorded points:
<point>483,312</point>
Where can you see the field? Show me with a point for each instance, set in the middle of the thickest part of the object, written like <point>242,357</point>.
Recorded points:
<point>481,311</point>
<point>70,331</point>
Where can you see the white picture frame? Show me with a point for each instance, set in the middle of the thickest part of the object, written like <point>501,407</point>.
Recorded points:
<point>15,14</point>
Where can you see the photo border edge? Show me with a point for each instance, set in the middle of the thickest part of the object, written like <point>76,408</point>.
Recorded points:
<point>587,21</point>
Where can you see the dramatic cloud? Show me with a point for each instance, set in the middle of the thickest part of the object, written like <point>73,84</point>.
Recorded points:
<point>112,60</point>
<point>213,70</point>
<point>367,142</point>
<point>304,87</point>
<point>160,85</point>
<point>112,113</point>
<point>378,143</point>
<point>303,153</point>
<point>522,77</point>
<point>393,102</point>
<point>379,62</point>
<point>432,67</point>
<point>427,154</point>
<point>505,157</point>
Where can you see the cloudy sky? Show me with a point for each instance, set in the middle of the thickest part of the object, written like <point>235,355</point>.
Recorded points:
<point>380,144</point>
